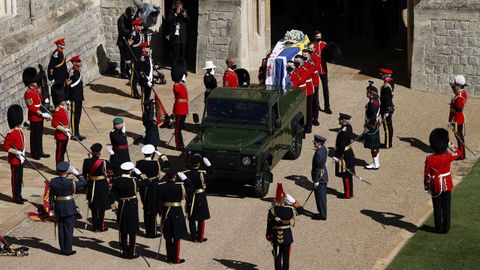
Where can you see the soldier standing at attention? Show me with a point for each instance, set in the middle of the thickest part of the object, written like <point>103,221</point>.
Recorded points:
<point>344,157</point>
<point>124,25</point>
<point>14,145</point>
<point>280,220</point>
<point>387,107</point>
<point>61,194</point>
<point>322,70</point>
<point>62,132</point>
<point>133,56</point>
<point>371,127</point>
<point>33,100</point>
<point>315,59</point>
<point>197,204</point>
<point>145,70</point>
<point>97,172</point>
<point>180,107</point>
<point>75,85</point>
<point>171,194</point>
<point>320,176</point>
<point>57,67</point>
<point>230,78</point>
<point>438,179</point>
<point>309,73</point>
<point>456,117</point>
<point>209,78</point>
<point>119,152</point>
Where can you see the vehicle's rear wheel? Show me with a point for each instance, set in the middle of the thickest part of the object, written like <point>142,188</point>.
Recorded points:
<point>262,183</point>
<point>296,147</point>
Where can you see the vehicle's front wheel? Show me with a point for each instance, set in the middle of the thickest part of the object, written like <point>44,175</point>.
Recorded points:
<point>262,183</point>
<point>296,147</point>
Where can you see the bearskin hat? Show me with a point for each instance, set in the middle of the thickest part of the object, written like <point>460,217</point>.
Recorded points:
<point>14,115</point>
<point>58,93</point>
<point>29,76</point>
<point>243,77</point>
<point>439,140</point>
<point>178,70</point>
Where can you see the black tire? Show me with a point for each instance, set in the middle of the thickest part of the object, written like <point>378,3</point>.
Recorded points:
<point>262,183</point>
<point>296,147</point>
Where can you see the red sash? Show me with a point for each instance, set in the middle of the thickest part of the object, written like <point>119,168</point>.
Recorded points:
<point>94,167</point>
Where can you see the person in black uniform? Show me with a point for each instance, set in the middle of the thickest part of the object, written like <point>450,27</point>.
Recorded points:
<point>124,25</point>
<point>150,169</point>
<point>119,152</point>
<point>177,20</point>
<point>280,220</point>
<point>152,135</point>
<point>134,53</point>
<point>97,171</point>
<point>209,78</point>
<point>42,81</point>
<point>75,92</point>
<point>320,176</point>
<point>62,190</point>
<point>124,191</point>
<point>197,204</point>
<point>344,157</point>
<point>57,67</point>
<point>145,71</point>
<point>386,106</point>
<point>170,194</point>
<point>371,127</point>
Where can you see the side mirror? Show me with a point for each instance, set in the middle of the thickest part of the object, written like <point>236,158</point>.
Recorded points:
<point>196,118</point>
<point>278,123</point>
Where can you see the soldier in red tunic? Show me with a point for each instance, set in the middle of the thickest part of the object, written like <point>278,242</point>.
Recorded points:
<point>62,132</point>
<point>14,145</point>
<point>230,78</point>
<point>322,70</point>
<point>180,107</point>
<point>438,179</point>
<point>316,60</point>
<point>33,100</point>
<point>456,117</point>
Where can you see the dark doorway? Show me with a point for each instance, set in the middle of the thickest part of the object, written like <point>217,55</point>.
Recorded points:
<point>191,6</point>
<point>371,33</point>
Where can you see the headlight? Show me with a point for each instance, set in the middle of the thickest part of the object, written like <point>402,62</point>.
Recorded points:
<point>246,161</point>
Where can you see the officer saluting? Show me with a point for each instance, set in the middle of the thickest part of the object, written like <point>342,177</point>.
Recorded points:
<point>438,179</point>
<point>371,126</point>
<point>180,107</point>
<point>173,225</point>
<point>119,152</point>
<point>62,190</point>
<point>320,176</point>
<point>197,204</point>
<point>456,117</point>
<point>75,95</point>
<point>344,157</point>
<point>209,80</point>
<point>280,220</point>
<point>387,107</point>
<point>97,171</point>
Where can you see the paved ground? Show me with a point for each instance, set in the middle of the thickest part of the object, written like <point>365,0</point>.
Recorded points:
<point>359,233</point>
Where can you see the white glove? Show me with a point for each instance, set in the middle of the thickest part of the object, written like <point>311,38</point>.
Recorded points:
<point>51,214</point>
<point>22,159</point>
<point>124,128</point>
<point>451,124</point>
<point>386,115</point>
<point>335,159</point>
<point>46,115</point>
<point>20,154</point>
<point>73,170</point>
<point>158,153</point>
<point>182,176</point>
<point>68,102</point>
<point>150,84</point>
<point>68,133</point>
<point>110,151</point>
<point>47,100</point>
<point>207,162</point>
<point>137,171</point>
<point>316,184</point>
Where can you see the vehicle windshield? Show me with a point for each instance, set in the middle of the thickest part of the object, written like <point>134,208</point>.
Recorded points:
<point>218,110</point>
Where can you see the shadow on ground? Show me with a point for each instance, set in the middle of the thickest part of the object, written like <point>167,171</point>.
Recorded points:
<point>390,219</point>
<point>104,89</point>
<point>414,142</point>
<point>237,265</point>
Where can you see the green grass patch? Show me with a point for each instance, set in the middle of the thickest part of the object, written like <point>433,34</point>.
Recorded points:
<point>460,248</point>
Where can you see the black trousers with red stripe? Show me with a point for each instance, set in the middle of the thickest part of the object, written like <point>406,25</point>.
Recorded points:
<point>75,115</point>
<point>308,124</point>
<point>60,151</point>
<point>326,92</point>
<point>347,185</point>
<point>36,139</point>
<point>17,180</point>
<point>441,211</point>
<point>316,104</point>
<point>197,229</point>
<point>173,249</point>
<point>179,125</point>
<point>282,256</point>
<point>461,147</point>
<point>98,222</point>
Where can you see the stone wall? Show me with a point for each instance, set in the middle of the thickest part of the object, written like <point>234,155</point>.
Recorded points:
<point>446,43</point>
<point>79,21</point>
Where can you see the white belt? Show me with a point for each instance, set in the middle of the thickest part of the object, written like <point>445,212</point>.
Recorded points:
<point>38,106</point>
<point>316,71</point>
<point>443,175</point>
<point>309,80</point>
<point>302,85</point>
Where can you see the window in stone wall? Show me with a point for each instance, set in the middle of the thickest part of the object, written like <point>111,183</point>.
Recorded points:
<point>8,7</point>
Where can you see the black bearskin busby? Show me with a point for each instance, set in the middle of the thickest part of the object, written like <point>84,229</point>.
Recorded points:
<point>439,140</point>
<point>243,77</point>
<point>58,93</point>
<point>332,53</point>
<point>29,76</point>
<point>178,70</point>
<point>14,115</point>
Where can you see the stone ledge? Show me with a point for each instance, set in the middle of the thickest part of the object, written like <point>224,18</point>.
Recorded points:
<point>446,4</point>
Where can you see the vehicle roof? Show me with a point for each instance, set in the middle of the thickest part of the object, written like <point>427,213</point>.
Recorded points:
<point>252,93</point>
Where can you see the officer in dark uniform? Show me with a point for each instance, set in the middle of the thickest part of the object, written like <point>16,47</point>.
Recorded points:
<point>170,194</point>
<point>371,127</point>
<point>124,191</point>
<point>62,190</point>
<point>150,169</point>
<point>145,71</point>
<point>119,142</point>
<point>57,67</point>
<point>320,176</point>
<point>152,135</point>
<point>280,220</point>
<point>134,55</point>
<point>197,204</point>
<point>97,171</point>
<point>75,91</point>
<point>177,20</point>
<point>124,25</point>
<point>344,157</point>
<point>386,106</point>
<point>209,80</point>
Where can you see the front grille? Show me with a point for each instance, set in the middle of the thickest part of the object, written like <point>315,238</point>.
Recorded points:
<point>224,160</point>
